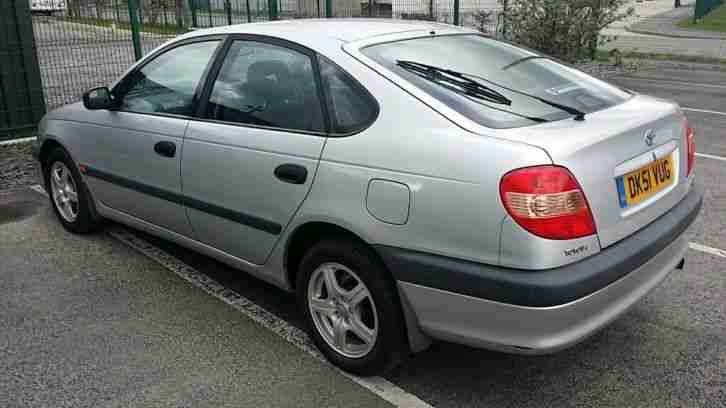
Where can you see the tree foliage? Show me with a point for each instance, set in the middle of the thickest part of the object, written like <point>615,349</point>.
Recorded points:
<point>566,29</point>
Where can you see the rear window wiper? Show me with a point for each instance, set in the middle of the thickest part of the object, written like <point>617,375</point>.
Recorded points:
<point>476,89</point>
<point>579,115</point>
<point>455,81</point>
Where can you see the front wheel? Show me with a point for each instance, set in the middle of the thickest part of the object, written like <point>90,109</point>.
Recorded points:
<point>68,195</point>
<point>351,307</point>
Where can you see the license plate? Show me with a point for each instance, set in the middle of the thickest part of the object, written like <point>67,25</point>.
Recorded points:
<point>638,185</point>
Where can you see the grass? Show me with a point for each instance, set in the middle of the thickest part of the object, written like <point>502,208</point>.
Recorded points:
<point>164,29</point>
<point>713,21</point>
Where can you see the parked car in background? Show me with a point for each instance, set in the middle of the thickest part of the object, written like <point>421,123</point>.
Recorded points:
<point>47,6</point>
<point>408,181</point>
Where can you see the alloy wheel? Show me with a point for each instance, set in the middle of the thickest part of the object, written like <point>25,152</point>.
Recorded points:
<point>343,310</point>
<point>65,191</point>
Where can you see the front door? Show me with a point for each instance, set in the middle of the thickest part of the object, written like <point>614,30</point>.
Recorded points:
<point>250,161</point>
<point>133,154</point>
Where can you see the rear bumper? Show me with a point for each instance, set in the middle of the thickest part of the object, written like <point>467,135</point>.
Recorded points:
<point>535,312</point>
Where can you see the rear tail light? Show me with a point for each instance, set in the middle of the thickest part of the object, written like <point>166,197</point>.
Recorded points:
<point>690,142</point>
<point>691,146</point>
<point>548,202</point>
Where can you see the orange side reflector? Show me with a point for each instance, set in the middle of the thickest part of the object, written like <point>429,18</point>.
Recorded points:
<point>82,168</point>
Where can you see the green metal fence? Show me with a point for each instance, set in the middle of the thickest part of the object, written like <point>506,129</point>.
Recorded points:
<point>21,93</point>
<point>704,7</point>
<point>91,43</point>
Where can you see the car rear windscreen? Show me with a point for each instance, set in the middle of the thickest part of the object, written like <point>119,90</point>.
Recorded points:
<point>480,62</point>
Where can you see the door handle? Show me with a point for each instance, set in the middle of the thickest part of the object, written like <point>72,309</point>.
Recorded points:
<point>291,173</point>
<point>166,149</point>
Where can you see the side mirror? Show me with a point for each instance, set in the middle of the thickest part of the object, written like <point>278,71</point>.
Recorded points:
<point>99,98</point>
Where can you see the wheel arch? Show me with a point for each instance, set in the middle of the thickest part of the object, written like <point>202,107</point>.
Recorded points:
<point>308,234</point>
<point>47,146</point>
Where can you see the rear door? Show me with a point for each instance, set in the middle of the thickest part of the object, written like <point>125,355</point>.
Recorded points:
<point>250,160</point>
<point>133,153</point>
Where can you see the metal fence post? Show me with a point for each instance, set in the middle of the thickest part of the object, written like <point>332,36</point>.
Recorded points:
<point>457,6</point>
<point>505,10</point>
<point>272,9</point>
<point>140,10</point>
<point>193,8</point>
<point>118,13</point>
<point>134,20</point>
<point>328,8</point>
<point>249,12</point>
<point>228,6</point>
<point>704,7</point>
<point>209,10</point>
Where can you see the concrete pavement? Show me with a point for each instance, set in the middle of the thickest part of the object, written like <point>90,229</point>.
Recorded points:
<point>652,30</point>
<point>645,9</point>
<point>652,44</point>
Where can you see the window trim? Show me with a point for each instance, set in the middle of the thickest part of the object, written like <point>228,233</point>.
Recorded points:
<point>202,80</point>
<point>215,68</point>
<point>356,84</point>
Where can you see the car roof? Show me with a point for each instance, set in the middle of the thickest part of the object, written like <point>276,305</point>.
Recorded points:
<point>341,30</point>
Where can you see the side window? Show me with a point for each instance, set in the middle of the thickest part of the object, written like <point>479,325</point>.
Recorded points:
<point>167,83</point>
<point>351,107</point>
<point>266,85</point>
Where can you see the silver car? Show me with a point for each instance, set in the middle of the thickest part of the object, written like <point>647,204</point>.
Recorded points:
<point>409,181</point>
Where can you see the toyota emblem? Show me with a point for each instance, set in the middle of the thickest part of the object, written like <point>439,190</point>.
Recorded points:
<point>650,136</point>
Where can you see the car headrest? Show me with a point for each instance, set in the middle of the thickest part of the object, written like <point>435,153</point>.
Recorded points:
<point>261,71</point>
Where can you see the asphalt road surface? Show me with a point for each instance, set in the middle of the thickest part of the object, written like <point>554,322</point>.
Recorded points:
<point>87,321</point>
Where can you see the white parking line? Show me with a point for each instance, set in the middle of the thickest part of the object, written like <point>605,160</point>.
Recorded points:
<point>17,141</point>
<point>704,111</point>
<point>378,385</point>
<point>707,249</point>
<point>710,156</point>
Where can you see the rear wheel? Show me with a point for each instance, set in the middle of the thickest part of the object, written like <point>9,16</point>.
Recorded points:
<point>351,307</point>
<point>68,195</point>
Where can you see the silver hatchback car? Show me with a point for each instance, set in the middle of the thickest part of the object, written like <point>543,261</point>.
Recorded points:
<point>408,180</point>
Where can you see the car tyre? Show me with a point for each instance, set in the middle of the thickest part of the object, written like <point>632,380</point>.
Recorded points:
<point>68,194</point>
<point>365,298</point>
